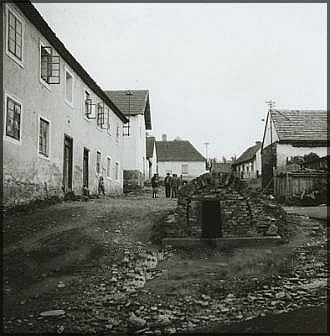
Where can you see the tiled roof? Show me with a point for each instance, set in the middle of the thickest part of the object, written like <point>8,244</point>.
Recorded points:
<point>37,20</point>
<point>177,150</point>
<point>149,146</point>
<point>132,104</point>
<point>300,125</point>
<point>249,154</point>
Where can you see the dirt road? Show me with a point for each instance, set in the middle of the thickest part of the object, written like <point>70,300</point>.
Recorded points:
<point>94,265</point>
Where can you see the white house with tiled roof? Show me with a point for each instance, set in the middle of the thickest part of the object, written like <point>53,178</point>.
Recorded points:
<point>290,133</point>
<point>248,165</point>
<point>135,105</point>
<point>179,157</point>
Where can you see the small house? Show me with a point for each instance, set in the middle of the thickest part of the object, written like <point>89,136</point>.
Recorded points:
<point>179,157</point>
<point>290,133</point>
<point>248,165</point>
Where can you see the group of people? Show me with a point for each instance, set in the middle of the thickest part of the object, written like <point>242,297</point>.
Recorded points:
<point>172,184</point>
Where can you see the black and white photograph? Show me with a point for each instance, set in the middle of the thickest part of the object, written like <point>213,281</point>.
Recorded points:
<point>165,168</point>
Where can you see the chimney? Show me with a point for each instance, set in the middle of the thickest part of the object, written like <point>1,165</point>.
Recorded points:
<point>164,137</point>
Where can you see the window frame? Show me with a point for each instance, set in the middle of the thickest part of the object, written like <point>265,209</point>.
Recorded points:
<point>42,81</point>
<point>183,172</point>
<point>88,91</point>
<point>108,123</point>
<point>67,70</point>
<point>5,136</point>
<point>117,133</point>
<point>98,173</point>
<point>18,61</point>
<point>117,171</point>
<point>100,105</point>
<point>41,155</point>
<point>109,171</point>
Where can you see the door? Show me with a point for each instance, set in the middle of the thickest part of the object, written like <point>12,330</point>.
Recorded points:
<point>67,164</point>
<point>85,167</point>
<point>211,219</point>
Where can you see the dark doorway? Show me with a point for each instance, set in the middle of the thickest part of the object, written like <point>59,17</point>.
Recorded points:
<point>85,167</point>
<point>211,219</point>
<point>67,164</point>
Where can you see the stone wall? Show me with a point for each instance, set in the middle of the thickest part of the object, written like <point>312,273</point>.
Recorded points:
<point>244,213</point>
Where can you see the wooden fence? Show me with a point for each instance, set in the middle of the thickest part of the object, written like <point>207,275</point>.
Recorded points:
<point>290,185</point>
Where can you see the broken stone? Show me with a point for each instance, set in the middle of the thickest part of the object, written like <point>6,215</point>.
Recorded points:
<point>136,321</point>
<point>56,312</point>
<point>60,284</point>
<point>60,329</point>
<point>280,295</point>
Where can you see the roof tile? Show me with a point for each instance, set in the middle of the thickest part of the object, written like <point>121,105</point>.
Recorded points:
<point>177,150</point>
<point>300,125</point>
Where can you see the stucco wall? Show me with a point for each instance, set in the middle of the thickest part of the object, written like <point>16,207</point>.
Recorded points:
<point>153,161</point>
<point>249,169</point>
<point>135,145</point>
<point>195,168</point>
<point>286,151</point>
<point>25,170</point>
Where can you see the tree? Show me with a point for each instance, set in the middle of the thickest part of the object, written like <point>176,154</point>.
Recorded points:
<point>310,157</point>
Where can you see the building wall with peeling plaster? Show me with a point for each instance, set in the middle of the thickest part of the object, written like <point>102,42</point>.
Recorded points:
<point>27,174</point>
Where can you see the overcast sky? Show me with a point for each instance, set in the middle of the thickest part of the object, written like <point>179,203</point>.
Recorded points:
<point>209,67</point>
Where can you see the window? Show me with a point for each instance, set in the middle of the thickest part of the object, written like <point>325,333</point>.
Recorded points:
<point>14,36</point>
<point>44,137</point>
<point>184,168</point>
<point>68,87</point>
<point>13,119</point>
<point>49,65</point>
<point>108,167</point>
<point>88,105</point>
<point>117,171</point>
<point>126,128</point>
<point>108,122</point>
<point>100,115</point>
<point>98,162</point>
<point>117,132</point>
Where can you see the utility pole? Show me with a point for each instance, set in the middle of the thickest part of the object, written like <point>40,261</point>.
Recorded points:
<point>271,105</point>
<point>206,153</point>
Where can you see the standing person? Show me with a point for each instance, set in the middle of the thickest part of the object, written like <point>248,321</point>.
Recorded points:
<point>154,184</point>
<point>101,186</point>
<point>167,183</point>
<point>175,185</point>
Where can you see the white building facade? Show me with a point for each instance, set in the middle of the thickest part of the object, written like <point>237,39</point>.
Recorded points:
<point>248,165</point>
<point>61,131</point>
<point>135,106</point>
<point>179,157</point>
